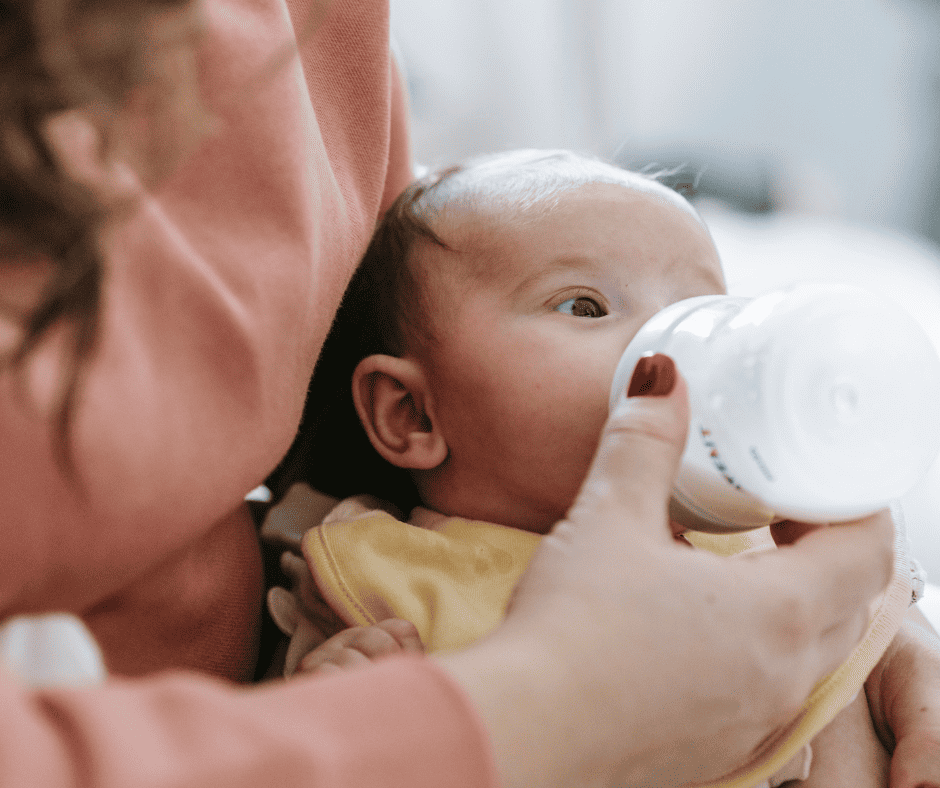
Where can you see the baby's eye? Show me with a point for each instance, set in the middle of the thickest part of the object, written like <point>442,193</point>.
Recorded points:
<point>582,306</point>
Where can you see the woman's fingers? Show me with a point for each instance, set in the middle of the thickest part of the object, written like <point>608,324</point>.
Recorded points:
<point>812,600</point>
<point>640,449</point>
<point>833,575</point>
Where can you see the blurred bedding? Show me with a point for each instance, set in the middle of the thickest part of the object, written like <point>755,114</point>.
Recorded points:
<point>930,605</point>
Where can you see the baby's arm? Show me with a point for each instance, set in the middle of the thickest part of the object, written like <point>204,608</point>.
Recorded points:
<point>847,753</point>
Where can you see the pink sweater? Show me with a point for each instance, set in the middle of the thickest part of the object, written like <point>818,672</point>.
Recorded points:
<point>219,294</point>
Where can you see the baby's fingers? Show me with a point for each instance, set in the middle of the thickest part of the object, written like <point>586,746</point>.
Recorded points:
<point>404,632</point>
<point>358,646</point>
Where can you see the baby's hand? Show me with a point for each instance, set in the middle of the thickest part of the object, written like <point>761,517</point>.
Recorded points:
<point>352,648</point>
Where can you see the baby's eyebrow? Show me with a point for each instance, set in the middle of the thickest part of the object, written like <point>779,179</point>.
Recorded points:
<point>574,262</point>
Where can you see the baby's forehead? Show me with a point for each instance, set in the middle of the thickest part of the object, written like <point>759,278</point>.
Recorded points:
<point>475,216</point>
<point>477,210</point>
<point>509,188</point>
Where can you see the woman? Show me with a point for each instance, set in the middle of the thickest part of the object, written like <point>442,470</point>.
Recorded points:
<point>160,324</point>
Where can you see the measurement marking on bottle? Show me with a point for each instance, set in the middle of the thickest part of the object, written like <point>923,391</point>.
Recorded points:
<point>716,459</point>
<point>759,461</point>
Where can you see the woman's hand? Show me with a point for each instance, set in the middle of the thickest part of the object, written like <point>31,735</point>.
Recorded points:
<point>904,695</point>
<point>627,659</point>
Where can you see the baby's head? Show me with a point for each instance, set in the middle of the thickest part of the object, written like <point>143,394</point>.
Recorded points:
<point>489,314</point>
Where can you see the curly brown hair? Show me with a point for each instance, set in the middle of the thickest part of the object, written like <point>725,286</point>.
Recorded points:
<point>58,55</point>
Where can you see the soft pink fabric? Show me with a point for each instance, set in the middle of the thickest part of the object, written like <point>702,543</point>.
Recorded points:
<point>220,291</point>
<point>398,724</point>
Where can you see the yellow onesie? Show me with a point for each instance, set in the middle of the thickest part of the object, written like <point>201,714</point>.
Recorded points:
<point>452,578</point>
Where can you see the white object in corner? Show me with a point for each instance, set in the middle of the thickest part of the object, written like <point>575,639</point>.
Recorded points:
<point>51,650</point>
<point>930,605</point>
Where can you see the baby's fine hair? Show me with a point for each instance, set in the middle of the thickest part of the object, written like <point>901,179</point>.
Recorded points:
<point>521,180</point>
<point>388,307</point>
<point>390,289</point>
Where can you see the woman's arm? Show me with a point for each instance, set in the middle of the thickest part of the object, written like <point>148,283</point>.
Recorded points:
<point>403,724</point>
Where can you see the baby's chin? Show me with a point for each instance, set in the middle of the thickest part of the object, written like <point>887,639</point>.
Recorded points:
<point>537,518</point>
<point>537,526</point>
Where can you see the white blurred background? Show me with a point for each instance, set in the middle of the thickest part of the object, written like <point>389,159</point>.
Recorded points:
<point>808,132</point>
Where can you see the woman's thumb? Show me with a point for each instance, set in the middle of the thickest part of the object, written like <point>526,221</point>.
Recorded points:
<point>641,446</point>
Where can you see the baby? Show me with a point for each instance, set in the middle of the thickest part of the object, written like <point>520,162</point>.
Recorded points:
<point>480,334</point>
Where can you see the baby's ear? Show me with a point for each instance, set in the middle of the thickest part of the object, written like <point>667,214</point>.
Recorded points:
<point>394,405</point>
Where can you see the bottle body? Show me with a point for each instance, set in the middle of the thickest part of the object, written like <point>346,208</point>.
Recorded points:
<point>818,403</point>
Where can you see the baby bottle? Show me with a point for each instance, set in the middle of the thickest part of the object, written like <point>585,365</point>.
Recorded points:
<point>819,402</point>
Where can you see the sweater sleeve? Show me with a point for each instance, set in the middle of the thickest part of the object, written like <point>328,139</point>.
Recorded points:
<point>220,289</point>
<point>398,723</point>
<point>220,286</point>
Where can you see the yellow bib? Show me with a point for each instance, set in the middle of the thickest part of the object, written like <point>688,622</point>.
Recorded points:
<point>453,578</point>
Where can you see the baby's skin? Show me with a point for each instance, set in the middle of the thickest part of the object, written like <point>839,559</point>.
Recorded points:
<point>525,344</point>
<point>847,753</point>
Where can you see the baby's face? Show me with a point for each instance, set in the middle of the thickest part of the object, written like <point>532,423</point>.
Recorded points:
<point>521,372</point>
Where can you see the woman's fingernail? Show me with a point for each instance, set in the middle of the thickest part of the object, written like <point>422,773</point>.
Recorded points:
<point>653,376</point>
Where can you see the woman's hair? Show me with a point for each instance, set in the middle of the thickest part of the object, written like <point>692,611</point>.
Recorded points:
<point>57,55</point>
<point>388,307</point>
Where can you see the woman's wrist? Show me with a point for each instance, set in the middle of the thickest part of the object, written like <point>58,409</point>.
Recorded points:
<point>536,713</point>
<point>499,683</point>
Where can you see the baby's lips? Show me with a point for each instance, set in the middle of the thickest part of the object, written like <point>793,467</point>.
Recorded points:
<point>678,531</point>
